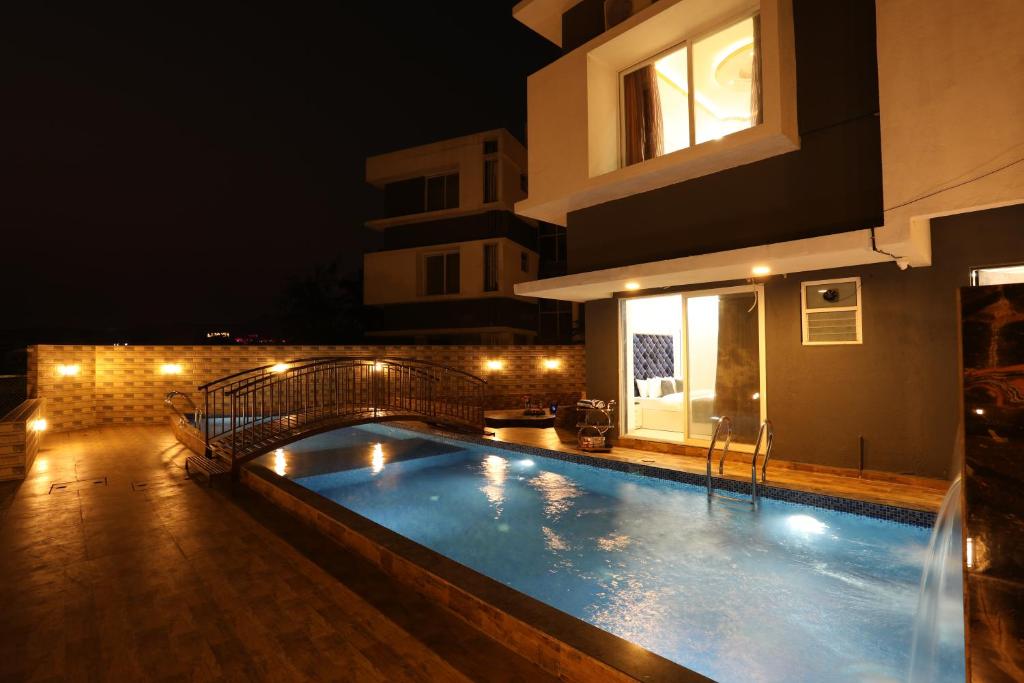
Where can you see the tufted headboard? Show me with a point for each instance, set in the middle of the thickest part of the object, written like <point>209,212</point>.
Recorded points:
<point>653,356</point>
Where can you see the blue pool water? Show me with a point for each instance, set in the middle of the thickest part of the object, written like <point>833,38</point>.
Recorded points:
<point>784,593</point>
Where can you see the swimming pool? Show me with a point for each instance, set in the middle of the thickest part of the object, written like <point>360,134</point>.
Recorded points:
<point>786,592</point>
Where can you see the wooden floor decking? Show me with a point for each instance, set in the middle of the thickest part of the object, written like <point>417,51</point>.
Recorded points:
<point>919,493</point>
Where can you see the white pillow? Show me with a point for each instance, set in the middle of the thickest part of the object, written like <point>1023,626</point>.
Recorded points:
<point>641,387</point>
<point>654,387</point>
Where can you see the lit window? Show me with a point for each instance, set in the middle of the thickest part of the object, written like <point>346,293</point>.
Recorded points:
<point>725,97</point>
<point>997,275</point>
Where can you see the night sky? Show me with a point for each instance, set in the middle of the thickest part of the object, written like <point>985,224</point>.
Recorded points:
<point>164,164</point>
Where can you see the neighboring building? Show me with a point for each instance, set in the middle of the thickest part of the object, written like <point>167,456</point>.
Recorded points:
<point>770,207</point>
<point>453,249</point>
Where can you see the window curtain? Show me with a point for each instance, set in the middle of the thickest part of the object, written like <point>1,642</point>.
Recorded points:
<point>739,371</point>
<point>756,113</point>
<point>643,123</point>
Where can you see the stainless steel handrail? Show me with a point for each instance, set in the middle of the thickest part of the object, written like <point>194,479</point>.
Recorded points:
<point>169,402</point>
<point>711,447</point>
<point>769,430</point>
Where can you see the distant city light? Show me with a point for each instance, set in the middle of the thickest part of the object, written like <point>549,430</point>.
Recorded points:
<point>68,370</point>
<point>218,335</point>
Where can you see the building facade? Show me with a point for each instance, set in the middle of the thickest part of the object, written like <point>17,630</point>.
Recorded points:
<point>770,207</point>
<point>452,249</point>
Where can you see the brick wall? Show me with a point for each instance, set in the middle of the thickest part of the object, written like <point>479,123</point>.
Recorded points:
<point>19,440</point>
<point>125,385</point>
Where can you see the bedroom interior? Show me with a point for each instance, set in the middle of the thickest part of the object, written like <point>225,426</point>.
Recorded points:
<point>691,358</point>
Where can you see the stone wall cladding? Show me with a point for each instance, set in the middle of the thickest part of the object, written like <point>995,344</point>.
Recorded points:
<point>124,384</point>
<point>19,442</point>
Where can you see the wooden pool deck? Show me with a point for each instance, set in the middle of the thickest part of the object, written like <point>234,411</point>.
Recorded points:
<point>918,493</point>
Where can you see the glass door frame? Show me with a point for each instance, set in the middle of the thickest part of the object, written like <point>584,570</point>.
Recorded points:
<point>626,381</point>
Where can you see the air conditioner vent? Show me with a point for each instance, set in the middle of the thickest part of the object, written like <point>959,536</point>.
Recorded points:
<point>831,312</point>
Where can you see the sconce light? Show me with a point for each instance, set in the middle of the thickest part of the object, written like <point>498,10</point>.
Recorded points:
<point>68,370</point>
<point>760,271</point>
<point>170,369</point>
<point>552,363</point>
<point>279,367</point>
<point>632,286</point>
<point>39,424</point>
<point>495,365</point>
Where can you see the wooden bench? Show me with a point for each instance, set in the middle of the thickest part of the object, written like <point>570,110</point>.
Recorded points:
<point>209,467</point>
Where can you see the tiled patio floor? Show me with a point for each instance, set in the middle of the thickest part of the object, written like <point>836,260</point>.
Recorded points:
<point>173,581</point>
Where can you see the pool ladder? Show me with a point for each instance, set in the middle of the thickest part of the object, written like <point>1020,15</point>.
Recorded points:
<point>765,435</point>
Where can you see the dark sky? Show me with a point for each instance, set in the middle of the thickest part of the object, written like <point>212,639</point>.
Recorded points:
<point>164,163</point>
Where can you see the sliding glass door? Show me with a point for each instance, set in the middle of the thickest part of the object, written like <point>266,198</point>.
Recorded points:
<point>690,359</point>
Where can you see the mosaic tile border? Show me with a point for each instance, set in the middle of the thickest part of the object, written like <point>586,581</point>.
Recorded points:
<point>880,511</point>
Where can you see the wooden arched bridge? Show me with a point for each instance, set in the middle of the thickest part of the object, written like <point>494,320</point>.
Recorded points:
<point>249,413</point>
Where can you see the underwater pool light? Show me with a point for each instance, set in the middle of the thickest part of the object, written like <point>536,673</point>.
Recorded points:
<point>805,524</point>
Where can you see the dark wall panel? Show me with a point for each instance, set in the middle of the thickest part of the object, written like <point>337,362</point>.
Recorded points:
<point>899,389</point>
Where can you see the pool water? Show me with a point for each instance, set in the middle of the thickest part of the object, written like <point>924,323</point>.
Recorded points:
<point>786,592</point>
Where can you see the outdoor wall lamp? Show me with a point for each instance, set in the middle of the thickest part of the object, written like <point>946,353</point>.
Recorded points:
<point>68,370</point>
<point>494,365</point>
<point>552,363</point>
<point>170,369</point>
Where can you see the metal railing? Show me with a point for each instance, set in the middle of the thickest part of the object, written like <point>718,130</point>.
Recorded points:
<point>765,435</point>
<point>766,428</point>
<point>725,448</point>
<point>250,413</point>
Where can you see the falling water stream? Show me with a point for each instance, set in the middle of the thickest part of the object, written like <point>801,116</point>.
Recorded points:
<point>938,642</point>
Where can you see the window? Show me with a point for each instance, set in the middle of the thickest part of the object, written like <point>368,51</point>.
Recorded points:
<point>490,267</point>
<point>698,91</point>
<point>692,358</point>
<point>831,312</point>
<point>524,262</point>
<point>419,194</point>
<point>490,180</point>
<point>442,192</point>
<point>997,275</point>
<point>490,146</point>
<point>441,273</point>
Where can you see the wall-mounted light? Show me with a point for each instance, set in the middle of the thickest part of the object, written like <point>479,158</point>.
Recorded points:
<point>279,367</point>
<point>170,369</point>
<point>757,395</point>
<point>68,370</point>
<point>632,286</point>
<point>761,270</point>
<point>979,411</point>
<point>39,424</point>
<point>494,365</point>
<point>552,363</point>
<point>378,366</point>
<point>280,464</point>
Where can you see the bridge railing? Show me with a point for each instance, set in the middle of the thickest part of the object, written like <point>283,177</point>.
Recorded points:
<point>248,410</point>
